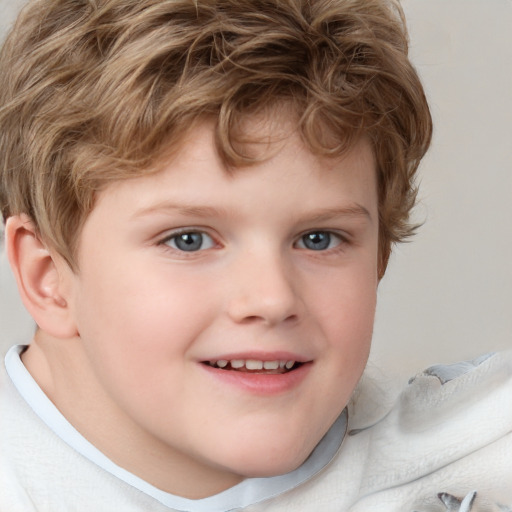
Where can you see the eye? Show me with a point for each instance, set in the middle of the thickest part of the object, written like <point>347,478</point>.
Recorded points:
<point>190,241</point>
<point>319,241</point>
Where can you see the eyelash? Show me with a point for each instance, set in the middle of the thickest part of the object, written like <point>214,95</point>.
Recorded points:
<point>166,242</point>
<point>341,241</point>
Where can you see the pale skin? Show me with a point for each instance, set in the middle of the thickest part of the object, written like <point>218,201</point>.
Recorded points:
<point>193,265</point>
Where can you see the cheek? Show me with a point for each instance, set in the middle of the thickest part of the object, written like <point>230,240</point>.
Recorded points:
<point>136,324</point>
<point>347,316</point>
<point>347,302</point>
<point>146,298</point>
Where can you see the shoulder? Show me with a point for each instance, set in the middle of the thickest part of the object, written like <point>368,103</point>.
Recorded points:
<point>39,471</point>
<point>475,378</point>
<point>441,395</point>
<point>448,433</point>
<point>465,395</point>
<point>16,433</point>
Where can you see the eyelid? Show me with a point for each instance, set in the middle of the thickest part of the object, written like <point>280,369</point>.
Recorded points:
<point>343,239</point>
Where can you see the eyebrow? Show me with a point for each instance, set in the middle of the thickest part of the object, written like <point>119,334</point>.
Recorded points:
<point>183,209</point>
<point>355,210</point>
<point>323,214</point>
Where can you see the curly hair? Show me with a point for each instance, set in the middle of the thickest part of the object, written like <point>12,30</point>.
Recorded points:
<point>94,91</point>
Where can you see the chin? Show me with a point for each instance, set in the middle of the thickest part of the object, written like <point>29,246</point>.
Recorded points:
<point>262,464</point>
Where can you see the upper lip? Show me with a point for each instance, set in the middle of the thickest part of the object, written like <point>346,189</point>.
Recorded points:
<point>259,356</point>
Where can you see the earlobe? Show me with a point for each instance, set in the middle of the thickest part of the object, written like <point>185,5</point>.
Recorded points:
<point>43,278</point>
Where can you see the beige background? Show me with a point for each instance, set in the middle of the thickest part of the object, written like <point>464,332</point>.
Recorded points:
<point>448,294</point>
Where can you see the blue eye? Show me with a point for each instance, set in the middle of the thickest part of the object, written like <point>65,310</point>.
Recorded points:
<point>318,241</point>
<point>190,241</point>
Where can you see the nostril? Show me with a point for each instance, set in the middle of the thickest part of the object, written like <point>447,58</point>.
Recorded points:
<point>268,319</point>
<point>252,318</point>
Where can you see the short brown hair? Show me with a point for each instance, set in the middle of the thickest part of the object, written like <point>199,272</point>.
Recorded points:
<point>93,91</point>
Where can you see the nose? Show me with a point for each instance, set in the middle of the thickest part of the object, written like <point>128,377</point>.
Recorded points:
<point>263,289</point>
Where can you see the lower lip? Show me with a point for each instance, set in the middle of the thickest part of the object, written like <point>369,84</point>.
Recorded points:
<point>261,383</point>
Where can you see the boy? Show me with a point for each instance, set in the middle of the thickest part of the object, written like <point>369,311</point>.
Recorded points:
<point>200,200</point>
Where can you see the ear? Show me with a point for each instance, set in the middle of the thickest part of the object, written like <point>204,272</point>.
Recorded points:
<point>44,279</point>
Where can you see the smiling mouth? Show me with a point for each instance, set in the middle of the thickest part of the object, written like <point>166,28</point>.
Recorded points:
<point>255,366</point>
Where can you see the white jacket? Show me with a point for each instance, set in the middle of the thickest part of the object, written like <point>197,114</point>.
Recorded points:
<point>444,444</point>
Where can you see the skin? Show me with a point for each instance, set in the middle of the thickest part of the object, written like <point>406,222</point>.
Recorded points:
<point>145,315</point>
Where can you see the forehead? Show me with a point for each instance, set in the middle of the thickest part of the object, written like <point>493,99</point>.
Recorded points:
<point>256,139</point>
<point>283,169</point>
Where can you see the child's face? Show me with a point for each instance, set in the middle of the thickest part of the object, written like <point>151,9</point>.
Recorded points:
<point>195,266</point>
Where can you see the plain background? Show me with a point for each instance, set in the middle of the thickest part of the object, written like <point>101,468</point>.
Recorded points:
<point>447,295</point>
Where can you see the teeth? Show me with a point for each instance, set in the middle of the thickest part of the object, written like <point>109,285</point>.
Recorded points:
<point>253,364</point>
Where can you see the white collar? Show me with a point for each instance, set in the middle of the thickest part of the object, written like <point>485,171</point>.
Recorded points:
<point>248,492</point>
